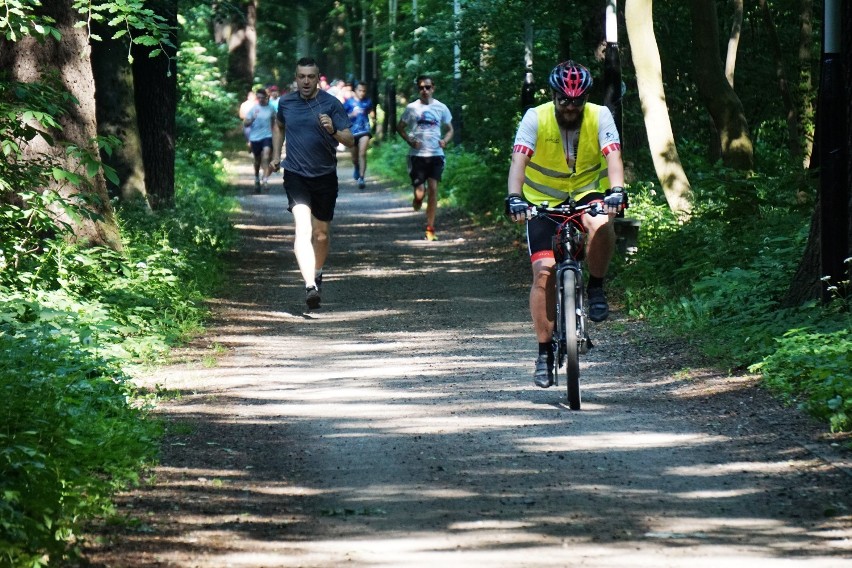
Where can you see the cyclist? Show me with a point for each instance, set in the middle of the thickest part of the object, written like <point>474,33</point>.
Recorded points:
<point>567,148</point>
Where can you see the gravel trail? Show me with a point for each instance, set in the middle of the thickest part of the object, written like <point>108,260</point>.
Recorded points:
<point>398,425</point>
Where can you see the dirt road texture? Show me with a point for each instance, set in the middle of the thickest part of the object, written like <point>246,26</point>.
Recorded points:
<point>398,425</point>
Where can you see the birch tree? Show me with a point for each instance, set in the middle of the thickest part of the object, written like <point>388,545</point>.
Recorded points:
<point>638,15</point>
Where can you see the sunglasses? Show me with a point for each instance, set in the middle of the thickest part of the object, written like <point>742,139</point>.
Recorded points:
<point>425,87</point>
<point>576,101</point>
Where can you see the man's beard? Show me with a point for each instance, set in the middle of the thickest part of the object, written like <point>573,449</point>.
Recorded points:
<point>569,124</point>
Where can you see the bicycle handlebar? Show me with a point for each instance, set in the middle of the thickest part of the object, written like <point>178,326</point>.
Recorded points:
<point>594,208</point>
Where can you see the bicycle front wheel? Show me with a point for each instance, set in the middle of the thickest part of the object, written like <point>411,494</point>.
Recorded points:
<point>569,324</point>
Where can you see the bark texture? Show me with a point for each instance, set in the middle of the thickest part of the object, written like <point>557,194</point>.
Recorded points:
<point>29,61</point>
<point>649,79</point>
<point>242,47</point>
<point>721,101</point>
<point>155,90</point>
<point>115,105</point>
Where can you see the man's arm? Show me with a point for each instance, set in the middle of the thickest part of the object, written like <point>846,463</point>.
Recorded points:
<point>517,172</point>
<point>448,135</point>
<point>344,137</point>
<point>516,207</point>
<point>401,130</point>
<point>278,132</point>
<point>615,167</point>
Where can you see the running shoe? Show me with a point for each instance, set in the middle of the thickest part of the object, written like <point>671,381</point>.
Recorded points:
<point>543,376</point>
<point>356,174</point>
<point>312,297</point>
<point>257,185</point>
<point>430,234</point>
<point>361,183</point>
<point>318,282</point>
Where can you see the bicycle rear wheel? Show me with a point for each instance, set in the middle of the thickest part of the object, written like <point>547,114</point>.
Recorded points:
<point>569,325</point>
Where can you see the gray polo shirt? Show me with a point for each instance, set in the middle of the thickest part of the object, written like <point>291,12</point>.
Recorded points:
<point>311,150</point>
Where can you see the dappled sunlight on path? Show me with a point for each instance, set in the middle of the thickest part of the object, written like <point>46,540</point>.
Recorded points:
<point>398,426</point>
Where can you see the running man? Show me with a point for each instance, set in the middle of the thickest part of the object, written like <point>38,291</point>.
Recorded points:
<point>430,123</point>
<point>314,123</point>
<point>259,123</point>
<point>360,111</point>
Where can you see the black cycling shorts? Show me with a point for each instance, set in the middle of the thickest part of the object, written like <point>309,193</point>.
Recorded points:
<point>421,168</point>
<point>541,230</point>
<point>318,193</point>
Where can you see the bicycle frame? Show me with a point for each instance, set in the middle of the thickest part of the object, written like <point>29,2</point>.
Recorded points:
<point>569,334</point>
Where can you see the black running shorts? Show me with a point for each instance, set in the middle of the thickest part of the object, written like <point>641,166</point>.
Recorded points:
<point>318,193</point>
<point>421,168</point>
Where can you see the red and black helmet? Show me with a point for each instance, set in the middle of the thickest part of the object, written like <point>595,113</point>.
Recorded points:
<point>570,79</point>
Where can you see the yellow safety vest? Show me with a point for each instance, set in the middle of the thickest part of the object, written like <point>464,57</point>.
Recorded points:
<point>547,177</point>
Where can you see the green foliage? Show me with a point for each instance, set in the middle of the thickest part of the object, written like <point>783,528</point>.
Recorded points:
<point>75,321</point>
<point>721,279</point>
<point>68,441</point>
<point>19,20</point>
<point>815,368</point>
<point>201,121</point>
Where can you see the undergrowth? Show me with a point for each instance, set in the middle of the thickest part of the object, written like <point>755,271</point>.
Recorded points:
<point>76,322</point>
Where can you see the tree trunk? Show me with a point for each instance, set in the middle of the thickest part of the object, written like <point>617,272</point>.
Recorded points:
<point>734,41</point>
<point>646,61</point>
<point>806,284</point>
<point>792,114</point>
<point>155,90</point>
<point>28,61</point>
<point>115,105</point>
<point>846,32</point>
<point>242,48</point>
<point>721,101</point>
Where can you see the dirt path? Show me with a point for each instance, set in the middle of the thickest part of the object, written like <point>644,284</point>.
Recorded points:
<point>398,426</point>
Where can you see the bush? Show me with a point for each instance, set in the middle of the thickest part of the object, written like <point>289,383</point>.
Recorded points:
<point>69,440</point>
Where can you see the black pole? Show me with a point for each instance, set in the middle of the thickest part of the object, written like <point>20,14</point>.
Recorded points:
<point>390,109</point>
<point>612,85</point>
<point>831,127</point>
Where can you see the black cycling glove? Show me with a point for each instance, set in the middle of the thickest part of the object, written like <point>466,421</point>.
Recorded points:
<point>516,206</point>
<point>616,199</point>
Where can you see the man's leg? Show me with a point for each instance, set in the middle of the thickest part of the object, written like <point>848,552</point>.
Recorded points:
<point>599,251</point>
<point>363,143</point>
<point>431,207</point>
<point>543,299</point>
<point>321,242</point>
<point>256,153</point>
<point>302,246</point>
<point>542,310</point>
<point>356,173</point>
<point>265,158</point>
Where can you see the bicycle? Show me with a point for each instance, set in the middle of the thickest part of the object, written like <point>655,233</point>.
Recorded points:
<point>570,338</point>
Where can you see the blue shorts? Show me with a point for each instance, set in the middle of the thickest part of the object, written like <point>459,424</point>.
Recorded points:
<point>421,168</point>
<point>258,146</point>
<point>318,193</point>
